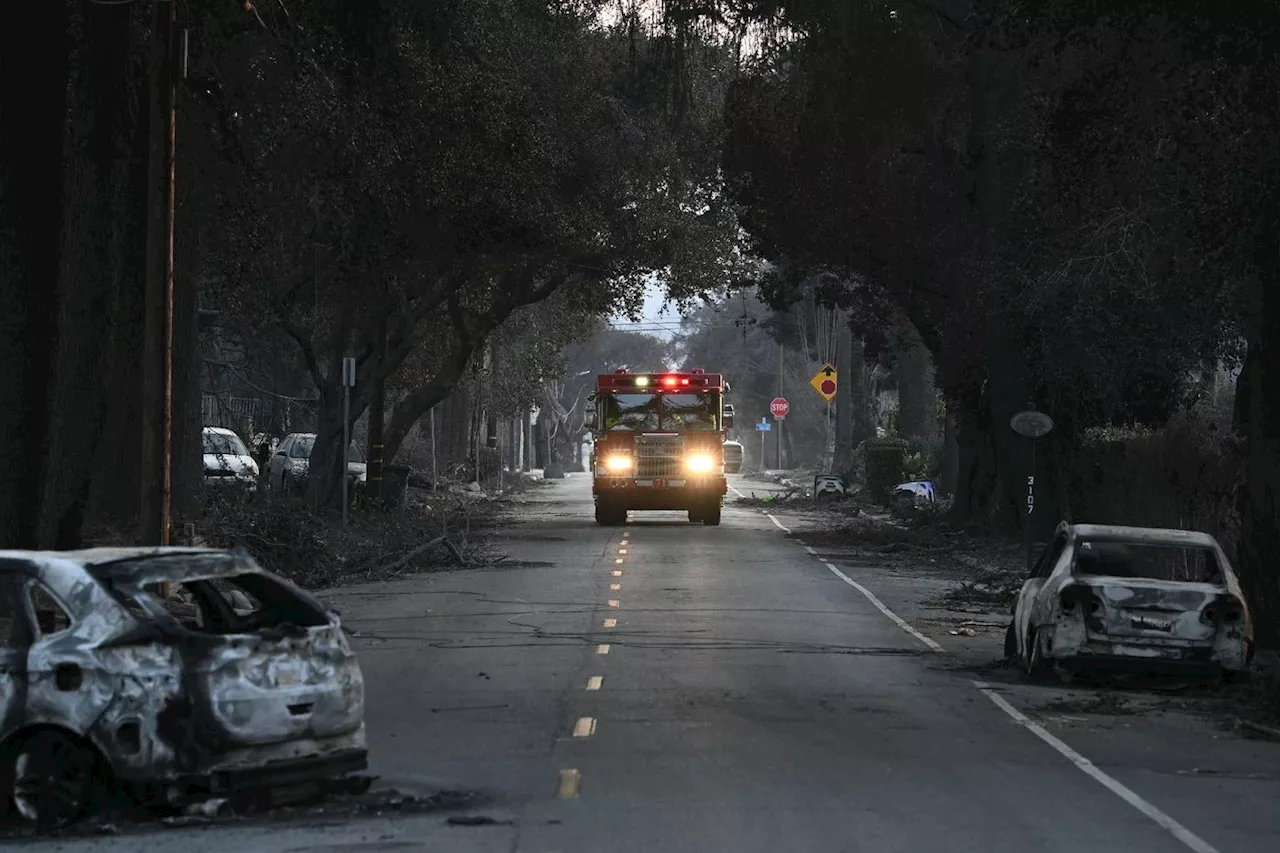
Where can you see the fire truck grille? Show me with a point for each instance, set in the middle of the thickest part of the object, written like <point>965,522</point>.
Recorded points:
<point>658,457</point>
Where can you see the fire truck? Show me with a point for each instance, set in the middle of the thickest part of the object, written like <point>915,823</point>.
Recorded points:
<point>659,444</point>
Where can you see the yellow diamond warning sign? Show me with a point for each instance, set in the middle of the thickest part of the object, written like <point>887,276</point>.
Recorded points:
<point>824,382</point>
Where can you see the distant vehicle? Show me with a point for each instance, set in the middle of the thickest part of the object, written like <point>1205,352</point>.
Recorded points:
<point>659,444</point>
<point>235,680</point>
<point>291,462</point>
<point>1146,599</point>
<point>733,455</point>
<point>227,460</point>
<point>916,491</point>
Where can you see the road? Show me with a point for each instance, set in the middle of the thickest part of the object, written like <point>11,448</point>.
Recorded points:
<point>663,687</point>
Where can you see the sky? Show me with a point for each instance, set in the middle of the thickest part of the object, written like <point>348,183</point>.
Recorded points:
<point>654,321</point>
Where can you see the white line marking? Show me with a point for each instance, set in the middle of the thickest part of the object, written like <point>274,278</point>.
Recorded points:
<point>735,491</point>
<point>809,549</point>
<point>1177,830</point>
<point>778,523</point>
<point>898,620</point>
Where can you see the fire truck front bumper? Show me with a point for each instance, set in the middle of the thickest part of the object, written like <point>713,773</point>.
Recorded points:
<point>675,493</point>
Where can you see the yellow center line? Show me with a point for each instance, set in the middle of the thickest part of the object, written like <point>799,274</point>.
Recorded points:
<point>610,623</point>
<point>595,682</point>
<point>602,649</point>
<point>615,586</point>
<point>622,550</point>
<point>625,542</point>
<point>618,561</point>
<point>617,573</point>
<point>585,727</point>
<point>568,784</point>
<point>613,602</point>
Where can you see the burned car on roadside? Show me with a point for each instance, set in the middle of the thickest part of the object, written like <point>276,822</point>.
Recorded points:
<point>166,674</point>
<point>1143,600</point>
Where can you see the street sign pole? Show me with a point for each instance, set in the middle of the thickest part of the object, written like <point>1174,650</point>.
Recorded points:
<point>348,382</point>
<point>1032,425</point>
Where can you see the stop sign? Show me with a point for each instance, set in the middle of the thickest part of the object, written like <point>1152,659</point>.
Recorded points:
<point>828,387</point>
<point>779,407</point>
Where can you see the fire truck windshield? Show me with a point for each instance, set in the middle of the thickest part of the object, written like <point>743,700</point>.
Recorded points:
<point>690,411</point>
<point>676,412</point>
<point>629,411</point>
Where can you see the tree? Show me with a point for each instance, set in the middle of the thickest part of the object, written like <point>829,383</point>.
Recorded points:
<point>499,153</point>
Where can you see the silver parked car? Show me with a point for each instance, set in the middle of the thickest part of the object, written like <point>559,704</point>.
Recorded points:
<point>1133,598</point>
<point>234,679</point>
<point>291,462</point>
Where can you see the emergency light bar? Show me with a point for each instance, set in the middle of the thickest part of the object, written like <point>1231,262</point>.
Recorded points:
<point>661,381</point>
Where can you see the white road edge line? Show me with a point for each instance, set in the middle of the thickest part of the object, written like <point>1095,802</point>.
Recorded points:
<point>778,523</point>
<point>880,605</point>
<point>735,491</point>
<point>1188,838</point>
<point>809,550</point>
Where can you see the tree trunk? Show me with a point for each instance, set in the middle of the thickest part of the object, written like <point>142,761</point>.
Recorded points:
<point>917,394</point>
<point>32,122</point>
<point>95,245</point>
<point>1257,390</point>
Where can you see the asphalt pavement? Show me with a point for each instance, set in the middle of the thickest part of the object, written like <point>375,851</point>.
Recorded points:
<point>671,687</point>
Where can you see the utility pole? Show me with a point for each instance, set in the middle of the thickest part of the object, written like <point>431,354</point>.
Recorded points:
<point>377,414</point>
<point>157,400</point>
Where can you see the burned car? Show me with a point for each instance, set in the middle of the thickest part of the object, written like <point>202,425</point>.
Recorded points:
<point>166,673</point>
<point>1140,599</point>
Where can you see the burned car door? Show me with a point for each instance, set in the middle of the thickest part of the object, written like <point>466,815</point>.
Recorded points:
<point>1024,608</point>
<point>66,686</point>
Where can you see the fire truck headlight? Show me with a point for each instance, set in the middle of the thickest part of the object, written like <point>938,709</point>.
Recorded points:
<point>700,463</point>
<point>617,464</point>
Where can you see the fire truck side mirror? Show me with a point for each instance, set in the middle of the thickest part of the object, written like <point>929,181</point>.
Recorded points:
<point>728,416</point>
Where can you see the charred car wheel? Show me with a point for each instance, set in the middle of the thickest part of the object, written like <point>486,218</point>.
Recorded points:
<point>55,779</point>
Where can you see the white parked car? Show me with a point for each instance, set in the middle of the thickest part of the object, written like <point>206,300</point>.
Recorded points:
<point>227,460</point>
<point>291,462</point>
<point>733,454</point>
<point>1141,599</point>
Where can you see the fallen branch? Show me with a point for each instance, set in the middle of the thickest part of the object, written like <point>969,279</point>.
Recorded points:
<point>415,552</point>
<point>1260,729</point>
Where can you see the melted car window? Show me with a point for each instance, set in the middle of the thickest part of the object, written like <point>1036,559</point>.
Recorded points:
<point>50,617</point>
<point>8,614</point>
<point>1177,563</point>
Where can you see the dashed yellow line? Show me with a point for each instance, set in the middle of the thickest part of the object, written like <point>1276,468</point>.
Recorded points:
<point>602,649</point>
<point>595,682</point>
<point>609,623</point>
<point>615,586</point>
<point>613,602</point>
<point>585,727</point>
<point>622,550</point>
<point>568,784</point>
<point>617,573</point>
<point>618,561</point>
<point>625,542</point>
